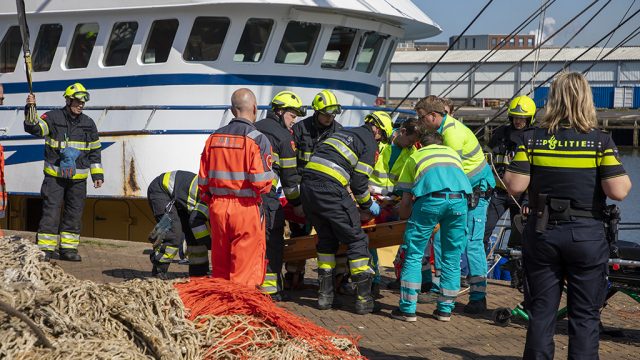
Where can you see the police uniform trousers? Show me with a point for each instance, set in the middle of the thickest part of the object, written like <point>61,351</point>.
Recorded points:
<point>499,204</point>
<point>55,193</point>
<point>158,200</point>
<point>578,252</point>
<point>336,219</point>
<point>476,255</point>
<point>427,212</point>
<point>274,224</point>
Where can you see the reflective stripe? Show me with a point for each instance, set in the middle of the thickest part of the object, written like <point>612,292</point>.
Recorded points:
<point>192,197</point>
<point>270,284</point>
<point>240,175</point>
<point>448,125</point>
<point>410,285</point>
<point>47,242</point>
<point>330,168</point>
<point>53,170</point>
<point>479,168</point>
<point>404,185</point>
<point>169,181</point>
<point>434,165</point>
<point>275,158</point>
<point>96,169</point>
<point>292,192</point>
<point>203,181</point>
<point>445,300</point>
<point>478,288</point>
<point>379,174</point>
<point>449,293</point>
<point>239,193</point>
<point>408,297</point>
<point>202,208</point>
<point>197,254</point>
<point>381,190</point>
<point>470,154</point>
<point>287,163</point>
<point>254,134</point>
<point>305,156</point>
<point>358,266</point>
<point>363,198</point>
<point>80,145</point>
<point>169,253</point>
<point>477,279</point>
<point>69,240</point>
<point>326,261</point>
<point>343,150</point>
<point>363,168</point>
<point>44,128</point>
<point>200,231</point>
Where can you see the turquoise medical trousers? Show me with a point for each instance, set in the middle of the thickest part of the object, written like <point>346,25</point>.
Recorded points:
<point>427,212</point>
<point>476,255</point>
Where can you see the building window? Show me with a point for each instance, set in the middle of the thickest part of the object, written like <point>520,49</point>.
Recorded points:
<point>120,43</point>
<point>46,46</point>
<point>335,57</point>
<point>512,42</point>
<point>84,39</point>
<point>369,53</point>
<point>530,42</point>
<point>387,58</point>
<point>473,43</point>
<point>160,41</point>
<point>297,43</point>
<point>466,44</point>
<point>254,40</point>
<point>206,38</point>
<point>520,42</point>
<point>494,42</point>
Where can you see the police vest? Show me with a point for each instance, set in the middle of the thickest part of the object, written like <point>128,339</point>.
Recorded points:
<point>382,180</point>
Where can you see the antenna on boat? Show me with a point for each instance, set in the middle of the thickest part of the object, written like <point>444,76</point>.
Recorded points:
<point>24,31</point>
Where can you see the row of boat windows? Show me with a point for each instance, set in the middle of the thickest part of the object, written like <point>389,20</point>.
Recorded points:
<point>204,44</point>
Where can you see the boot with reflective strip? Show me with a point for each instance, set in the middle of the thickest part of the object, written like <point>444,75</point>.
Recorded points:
<point>325,290</point>
<point>364,300</point>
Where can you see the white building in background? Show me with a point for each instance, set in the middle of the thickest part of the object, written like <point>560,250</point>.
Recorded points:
<point>615,80</point>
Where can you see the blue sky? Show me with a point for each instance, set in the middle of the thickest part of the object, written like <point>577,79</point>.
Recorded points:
<point>502,16</point>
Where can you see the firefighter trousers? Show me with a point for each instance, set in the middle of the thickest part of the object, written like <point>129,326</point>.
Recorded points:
<point>67,194</point>
<point>237,240</point>
<point>274,217</point>
<point>336,219</point>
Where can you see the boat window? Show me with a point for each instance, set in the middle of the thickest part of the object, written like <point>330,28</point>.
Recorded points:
<point>46,46</point>
<point>84,38</point>
<point>297,43</point>
<point>369,53</point>
<point>10,49</point>
<point>254,40</point>
<point>206,38</point>
<point>335,57</point>
<point>120,43</point>
<point>160,41</point>
<point>387,57</point>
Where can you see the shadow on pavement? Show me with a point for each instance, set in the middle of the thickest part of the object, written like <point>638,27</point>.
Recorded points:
<point>138,274</point>
<point>465,354</point>
<point>378,355</point>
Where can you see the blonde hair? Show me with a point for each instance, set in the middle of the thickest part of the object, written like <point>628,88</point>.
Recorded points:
<point>570,104</point>
<point>430,104</point>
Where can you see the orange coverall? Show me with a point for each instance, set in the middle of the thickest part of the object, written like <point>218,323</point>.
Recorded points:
<point>235,169</point>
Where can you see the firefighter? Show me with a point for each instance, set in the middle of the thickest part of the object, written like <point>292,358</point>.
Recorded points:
<point>175,194</point>
<point>433,175</point>
<point>285,108</point>
<point>235,170</point>
<point>71,153</point>
<point>307,134</point>
<point>432,113</point>
<point>502,147</point>
<point>346,158</point>
<point>569,168</point>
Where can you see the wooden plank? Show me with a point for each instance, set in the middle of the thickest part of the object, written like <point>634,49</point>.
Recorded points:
<point>380,235</point>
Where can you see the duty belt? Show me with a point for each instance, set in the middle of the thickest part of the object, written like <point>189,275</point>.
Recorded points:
<point>444,195</point>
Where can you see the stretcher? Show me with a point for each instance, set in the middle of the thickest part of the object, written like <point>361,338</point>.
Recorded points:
<point>624,277</point>
<point>380,235</point>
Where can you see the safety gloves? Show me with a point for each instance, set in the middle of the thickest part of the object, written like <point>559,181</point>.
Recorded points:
<point>374,209</point>
<point>68,158</point>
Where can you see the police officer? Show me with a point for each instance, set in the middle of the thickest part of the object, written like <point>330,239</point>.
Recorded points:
<point>434,176</point>
<point>569,168</point>
<point>175,194</point>
<point>456,135</point>
<point>307,134</point>
<point>285,108</point>
<point>502,147</point>
<point>71,152</point>
<point>346,158</point>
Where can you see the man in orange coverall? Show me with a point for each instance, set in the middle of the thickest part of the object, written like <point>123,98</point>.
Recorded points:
<point>235,169</point>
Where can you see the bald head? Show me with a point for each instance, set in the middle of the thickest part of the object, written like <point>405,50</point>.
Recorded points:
<point>243,104</point>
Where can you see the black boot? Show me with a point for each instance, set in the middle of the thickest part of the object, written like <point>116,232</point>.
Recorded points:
<point>198,270</point>
<point>364,300</point>
<point>160,271</point>
<point>325,290</point>
<point>70,255</point>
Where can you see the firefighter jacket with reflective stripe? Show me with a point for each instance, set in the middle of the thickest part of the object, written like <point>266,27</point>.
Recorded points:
<point>347,157</point>
<point>182,187</point>
<point>283,156</point>
<point>307,134</point>
<point>433,168</point>
<point>3,189</point>
<point>461,139</point>
<point>383,178</point>
<point>235,162</point>
<point>60,130</point>
<point>503,146</point>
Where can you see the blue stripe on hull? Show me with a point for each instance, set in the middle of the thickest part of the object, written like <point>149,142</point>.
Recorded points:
<point>195,79</point>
